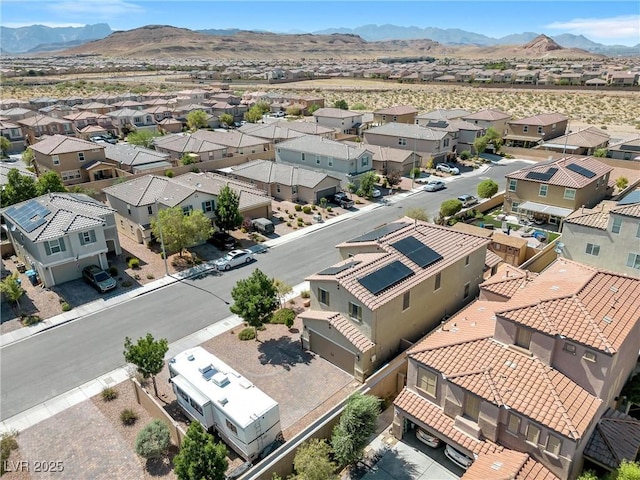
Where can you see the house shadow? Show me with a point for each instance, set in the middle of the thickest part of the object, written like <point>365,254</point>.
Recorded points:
<point>283,352</point>
<point>386,460</point>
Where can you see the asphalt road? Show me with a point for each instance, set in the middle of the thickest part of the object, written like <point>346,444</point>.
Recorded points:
<point>48,364</point>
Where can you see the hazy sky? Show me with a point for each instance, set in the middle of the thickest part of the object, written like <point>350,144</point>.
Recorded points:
<point>608,22</point>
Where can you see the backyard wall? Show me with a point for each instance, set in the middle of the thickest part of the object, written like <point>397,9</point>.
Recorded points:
<point>543,259</point>
<point>154,409</point>
<point>531,154</point>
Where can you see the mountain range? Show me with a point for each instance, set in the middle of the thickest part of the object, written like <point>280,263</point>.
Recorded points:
<point>40,38</point>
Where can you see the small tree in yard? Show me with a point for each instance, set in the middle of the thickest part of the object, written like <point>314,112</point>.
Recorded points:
<point>255,299</point>
<point>226,118</point>
<point>142,138</point>
<point>148,355</point>
<point>450,207</point>
<point>417,214</point>
<point>12,289</point>
<point>180,231</point>
<point>600,152</point>
<point>18,188</point>
<point>494,138</point>
<point>27,157</point>
<point>200,457</point>
<point>188,158</point>
<point>5,145</point>
<point>49,182</point>
<point>357,423</point>
<point>393,178</point>
<point>367,184</point>
<point>621,183</point>
<point>197,119</point>
<point>480,144</point>
<point>228,209</point>
<point>153,440</point>
<point>341,104</point>
<point>487,188</point>
<point>253,115</point>
<point>283,289</point>
<point>313,462</point>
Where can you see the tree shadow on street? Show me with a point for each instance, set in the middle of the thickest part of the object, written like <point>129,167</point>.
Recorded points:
<point>283,352</point>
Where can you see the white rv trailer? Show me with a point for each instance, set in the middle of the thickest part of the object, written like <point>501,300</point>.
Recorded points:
<point>212,393</point>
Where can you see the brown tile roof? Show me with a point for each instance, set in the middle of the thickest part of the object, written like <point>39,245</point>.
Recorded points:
<point>542,119</point>
<point>507,377</point>
<point>615,438</point>
<point>60,144</point>
<point>489,114</point>
<point>491,259</point>
<point>343,326</point>
<point>509,240</point>
<point>597,217</point>
<point>432,415</point>
<point>467,228</point>
<point>601,315</point>
<point>587,137</point>
<point>384,154</point>
<point>507,465</point>
<point>397,110</point>
<point>40,120</point>
<point>564,177</point>
<point>507,281</point>
<point>451,245</point>
<point>632,210</point>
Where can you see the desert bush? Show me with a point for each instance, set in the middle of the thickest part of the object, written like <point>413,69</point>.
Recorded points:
<point>109,394</point>
<point>133,263</point>
<point>298,208</point>
<point>150,276</point>
<point>305,294</point>
<point>288,224</point>
<point>8,443</point>
<point>128,417</point>
<point>306,209</point>
<point>247,334</point>
<point>329,209</point>
<point>126,283</point>
<point>29,320</point>
<point>284,316</point>
<point>65,307</point>
<point>466,155</point>
<point>169,173</point>
<point>153,440</point>
<point>113,271</point>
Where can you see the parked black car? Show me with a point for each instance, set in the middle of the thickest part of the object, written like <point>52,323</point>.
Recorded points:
<point>342,200</point>
<point>223,241</point>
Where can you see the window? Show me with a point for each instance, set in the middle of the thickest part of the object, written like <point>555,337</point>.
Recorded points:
<point>427,381</point>
<point>471,407</point>
<point>525,128</point>
<point>196,406</point>
<point>317,159</point>
<point>445,142</point>
<point>365,161</point>
<point>569,347</point>
<point>323,296</point>
<point>467,287</point>
<point>513,424</point>
<point>278,187</point>
<point>402,141</point>
<point>384,118</point>
<point>617,225</point>
<point>81,156</point>
<point>330,161</point>
<point>55,159</point>
<point>554,444</point>
<point>231,426</point>
<point>514,206</point>
<point>633,261</point>
<point>592,249</point>
<point>543,190</point>
<point>395,119</point>
<point>638,231</point>
<point>70,175</point>
<point>187,209</point>
<point>466,261</point>
<point>589,356</point>
<point>513,184</point>
<point>54,246</point>
<point>540,131</point>
<point>150,209</point>
<point>533,434</point>
<point>294,189</point>
<point>182,393</point>
<point>523,337</point>
<point>87,237</point>
<point>208,206</point>
<point>569,194</point>
<point>438,281</point>
<point>406,300</point>
<point>355,311</point>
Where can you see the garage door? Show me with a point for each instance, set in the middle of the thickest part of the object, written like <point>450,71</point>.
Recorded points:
<point>326,193</point>
<point>328,350</point>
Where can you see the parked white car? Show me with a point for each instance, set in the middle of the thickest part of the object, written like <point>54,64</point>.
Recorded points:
<point>458,457</point>
<point>376,193</point>
<point>427,438</point>
<point>448,168</point>
<point>233,259</point>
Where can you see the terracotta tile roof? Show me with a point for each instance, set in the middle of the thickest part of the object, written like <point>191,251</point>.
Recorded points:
<point>564,177</point>
<point>542,119</point>
<point>335,113</point>
<point>397,110</point>
<point>432,415</point>
<point>384,154</point>
<point>507,281</point>
<point>60,144</point>
<point>343,326</point>
<point>632,210</point>
<point>601,315</point>
<point>492,259</point>
<point>597,217</point>
<point>507,377</point>
<point>451,245</point>
<point>587,137</point>
<point>477,321</point>
<point>507,465</point>
<point>489,114</point>
<point>615,438</point>
<point>467,228</point>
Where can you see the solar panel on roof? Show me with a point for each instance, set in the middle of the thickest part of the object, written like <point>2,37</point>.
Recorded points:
<point>417,252</point>
<point>338,269</point>
<point>29,216</point>
<point>380,232</point>
<point>386,277</point>
<point>585,172</point>
<point>633,197</point>
<point>542,176</point>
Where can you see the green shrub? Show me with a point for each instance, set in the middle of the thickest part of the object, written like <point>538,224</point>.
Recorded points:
<point>65,307</point>
<point>284,316</point>
<point>314,207</point>
<point>29,320</point>
<point>128,416</point>
<point>8,443</point>
<point>351,187</point>
<point>305,294</point>
<point>298,208</point>
<point>247,334</point>
<point>113,271</point>
<point>169,173</point>
<point>307,209</point>
<point>153,440</point>
<point>466,155</point>
<point>126,283</point>
<point>150,276</point>
<point>109,394</point>
<point>329,209</point>
<point>288,224</point>
<point>134,263</point>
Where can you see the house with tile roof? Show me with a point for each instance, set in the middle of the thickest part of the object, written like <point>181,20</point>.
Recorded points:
<point>12,132</point>
<point>424,141</point>
<point>390,159</point>
<point>532,371</point>
<point>321,154</point>
<point>392,286</point>
<point>235,142</point>
<point>551,190</point>
<point>532,131</point>
<point>398,113</point>
<point>74,159</point>
<point>343,121</point>
<point>628,149</point>
<point>137,201</point>
<point>38,126</point>
<point>584,141</point>
<point>286,182</point>
<point>127,120</point>
<point>441,114</point>
<point>136,159</point>
<point>59,234</point>
<point>606,236</point>
<point>177,145</point>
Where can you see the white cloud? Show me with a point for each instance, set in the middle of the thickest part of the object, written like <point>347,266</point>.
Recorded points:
<point>97,9</point>
<point>623,27</point>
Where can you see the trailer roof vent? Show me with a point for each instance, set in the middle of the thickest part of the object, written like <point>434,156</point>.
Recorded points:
<point>191,358</point>
<point>223,401</point>
<point>220,379</point>
<point>246,384</point>
<point>207,371</point>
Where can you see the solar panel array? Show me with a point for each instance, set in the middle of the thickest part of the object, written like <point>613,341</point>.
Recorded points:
<point>338,269</point>
<point>29,216</point>
<point>542,176</point>
<point>386,277</point>
<point>633,197</point>
<point>380,232</point>
<point>585,172</point>
<point>417,252</point>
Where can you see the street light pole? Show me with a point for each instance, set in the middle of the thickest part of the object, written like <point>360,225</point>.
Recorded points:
<point>413,168</point>
<point>164,252</point>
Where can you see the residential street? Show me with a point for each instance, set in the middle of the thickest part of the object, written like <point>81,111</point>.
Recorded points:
<point>55,361</point>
